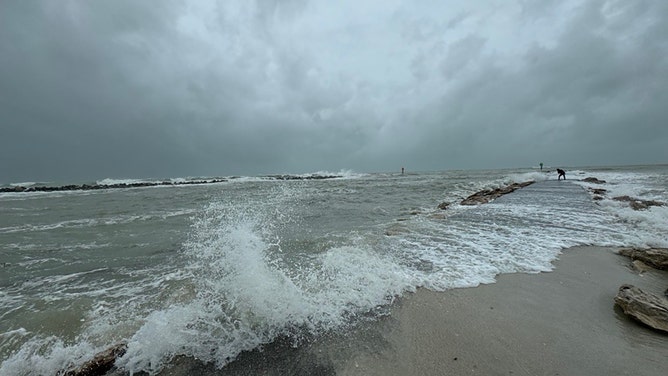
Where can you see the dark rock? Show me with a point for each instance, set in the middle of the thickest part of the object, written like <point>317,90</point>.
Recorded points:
<point>281,357</point>
<point>100,364</point>
<point>638,204</point>
<point>488,195</point>
<point>593,180</point>
<point>303,177</point>
<point>443,205</point>
<point>650,309</point>
<point>654,257</point>
<point>648,203</point>
<point>86,187</point>
<point>598,191</point>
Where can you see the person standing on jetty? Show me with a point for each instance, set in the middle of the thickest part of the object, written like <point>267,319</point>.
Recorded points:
<point>561,173</point>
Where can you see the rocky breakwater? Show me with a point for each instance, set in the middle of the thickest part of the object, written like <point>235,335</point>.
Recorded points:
<point>488,195</point>
<point>303,177</point>
<point>87,187</point>
<point>634,203</point>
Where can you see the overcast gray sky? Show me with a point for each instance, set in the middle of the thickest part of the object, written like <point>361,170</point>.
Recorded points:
<point>93,89</point>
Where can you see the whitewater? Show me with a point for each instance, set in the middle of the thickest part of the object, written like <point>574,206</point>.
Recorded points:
<point>211,270</point>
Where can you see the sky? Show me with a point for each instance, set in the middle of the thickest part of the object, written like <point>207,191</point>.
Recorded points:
<point>132,89</point>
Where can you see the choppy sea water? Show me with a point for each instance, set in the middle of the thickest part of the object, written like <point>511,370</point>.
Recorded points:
<point>209,271</point>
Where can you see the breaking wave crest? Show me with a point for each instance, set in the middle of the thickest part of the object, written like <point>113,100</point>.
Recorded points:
<point>247,295</point>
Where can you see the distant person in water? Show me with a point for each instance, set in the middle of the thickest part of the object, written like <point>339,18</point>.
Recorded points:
<point>561,173</point>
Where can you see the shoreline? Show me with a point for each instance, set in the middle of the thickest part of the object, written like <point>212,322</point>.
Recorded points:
<point>563,322</point>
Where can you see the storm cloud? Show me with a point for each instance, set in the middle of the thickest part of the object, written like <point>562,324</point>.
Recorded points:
<point>208,88</point>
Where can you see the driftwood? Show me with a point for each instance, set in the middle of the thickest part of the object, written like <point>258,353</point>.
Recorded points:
<point>488,195</point>
<point>101,363</point>
<point>654,257</point>
<point>645,307</point>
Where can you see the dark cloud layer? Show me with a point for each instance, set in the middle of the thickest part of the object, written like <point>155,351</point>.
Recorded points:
<point>176,88</point>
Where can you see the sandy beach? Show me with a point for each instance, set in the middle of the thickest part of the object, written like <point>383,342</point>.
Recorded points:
<point>559,323</point>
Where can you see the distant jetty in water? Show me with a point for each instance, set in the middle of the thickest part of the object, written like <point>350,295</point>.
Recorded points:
<point>89,187</point>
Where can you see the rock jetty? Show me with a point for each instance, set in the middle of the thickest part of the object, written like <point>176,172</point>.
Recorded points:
<point>488,195</point>
<point>87,187</point>
<point>634,203</point>
<point>302,177</point>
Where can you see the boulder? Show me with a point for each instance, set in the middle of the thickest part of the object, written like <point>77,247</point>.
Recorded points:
<point>593,180</point>
<point>598,191</point>
<point>638,204</point>
<point>650,309</point>
<point>654,257</point>
<point>101,363</point>
<point>443,205</point>
<point>623,198</point>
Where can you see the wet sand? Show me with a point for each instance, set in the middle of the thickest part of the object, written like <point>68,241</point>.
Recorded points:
<point>559,323</point>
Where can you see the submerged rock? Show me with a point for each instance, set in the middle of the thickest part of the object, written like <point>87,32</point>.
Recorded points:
<point>593,180</point>
<point>488,195</point>
<point>638,204</point>
<point>645,307</point>
<point>654,257</point>
<point>443,205</point>
<point>100,364</point>
<point>598,191</point>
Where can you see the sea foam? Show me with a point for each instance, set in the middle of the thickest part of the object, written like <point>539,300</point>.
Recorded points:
<point>247,296</point>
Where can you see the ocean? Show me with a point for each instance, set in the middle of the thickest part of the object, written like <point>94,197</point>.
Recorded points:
<point>212,270</point>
